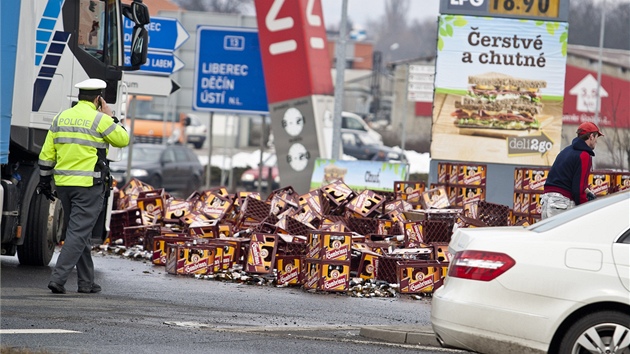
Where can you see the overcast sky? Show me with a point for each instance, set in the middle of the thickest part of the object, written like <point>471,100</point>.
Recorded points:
<point>362,10</point>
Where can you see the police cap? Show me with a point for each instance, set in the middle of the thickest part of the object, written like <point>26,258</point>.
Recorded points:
<point>91,85</point>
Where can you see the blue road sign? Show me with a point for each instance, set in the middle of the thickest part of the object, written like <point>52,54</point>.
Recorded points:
<point>165,34</point>
<point>158,63</point>
<point>228,71</point>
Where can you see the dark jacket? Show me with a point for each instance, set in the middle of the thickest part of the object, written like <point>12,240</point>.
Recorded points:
<point>569,173</point>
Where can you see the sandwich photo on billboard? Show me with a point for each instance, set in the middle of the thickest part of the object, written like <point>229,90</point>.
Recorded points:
<point>500,101</point>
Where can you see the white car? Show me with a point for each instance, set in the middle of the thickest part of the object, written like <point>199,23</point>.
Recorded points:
<point>355,122</point>
<point>196,131</point>
<point>561,285</point>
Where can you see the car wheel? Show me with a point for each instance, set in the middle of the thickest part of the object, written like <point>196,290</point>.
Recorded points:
<point>599,332</point>
<point>156,182</point>
<point>198,145</point>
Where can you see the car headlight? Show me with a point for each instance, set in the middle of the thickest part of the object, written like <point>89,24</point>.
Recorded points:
<point>136,172</point>
<point>247,177</point>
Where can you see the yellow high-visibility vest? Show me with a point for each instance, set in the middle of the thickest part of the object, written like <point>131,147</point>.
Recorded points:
<point>73,141</point>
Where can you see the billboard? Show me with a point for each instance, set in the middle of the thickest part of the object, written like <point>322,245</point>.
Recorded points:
<point>580,99</point>
<point>499,89</point>
<point>359,175</point>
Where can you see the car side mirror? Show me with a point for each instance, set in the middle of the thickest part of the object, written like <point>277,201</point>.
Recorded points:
<point>187,121</point>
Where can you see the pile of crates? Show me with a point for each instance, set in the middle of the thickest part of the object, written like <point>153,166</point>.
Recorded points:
<point>319,240</point>
<point>465,184</point>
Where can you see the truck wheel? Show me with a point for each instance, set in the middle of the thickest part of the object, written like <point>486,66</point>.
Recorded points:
<point>43,232</point>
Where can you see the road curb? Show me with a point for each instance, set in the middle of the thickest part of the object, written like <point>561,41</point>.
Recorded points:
<point>422,335</point>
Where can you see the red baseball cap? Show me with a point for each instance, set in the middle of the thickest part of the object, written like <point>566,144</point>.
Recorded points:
<point>588,127</point>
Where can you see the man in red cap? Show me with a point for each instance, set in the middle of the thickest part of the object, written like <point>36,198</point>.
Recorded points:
<point>567,183</point>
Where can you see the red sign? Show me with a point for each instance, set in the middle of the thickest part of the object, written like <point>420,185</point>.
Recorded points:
<point>580,99</point>
<point>294,51</point>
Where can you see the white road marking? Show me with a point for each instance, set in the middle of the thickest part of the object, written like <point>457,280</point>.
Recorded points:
<point>36,331</point>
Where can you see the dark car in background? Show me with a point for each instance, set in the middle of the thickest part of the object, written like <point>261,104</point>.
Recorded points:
<point>362,146</point>
<point>175,168</point>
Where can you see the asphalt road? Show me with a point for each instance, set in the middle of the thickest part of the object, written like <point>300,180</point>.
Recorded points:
<point>142,309</point>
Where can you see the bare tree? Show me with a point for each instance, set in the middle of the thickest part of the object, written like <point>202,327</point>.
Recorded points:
<point>220,6</point>
<point>617,140</point>
<point>397,38</point>
<point>584,23</point>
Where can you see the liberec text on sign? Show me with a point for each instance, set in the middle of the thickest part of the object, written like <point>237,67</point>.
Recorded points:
<point>219,79</point>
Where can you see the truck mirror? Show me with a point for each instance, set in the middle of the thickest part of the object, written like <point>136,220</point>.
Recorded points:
<point>137,12</point>
<point>140,42</point>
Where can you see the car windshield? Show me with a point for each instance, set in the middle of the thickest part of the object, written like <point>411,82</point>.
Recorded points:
<point>580,211</point>
<point>143,154</point>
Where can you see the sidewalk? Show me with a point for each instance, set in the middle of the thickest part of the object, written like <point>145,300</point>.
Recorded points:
<point>410,334</point>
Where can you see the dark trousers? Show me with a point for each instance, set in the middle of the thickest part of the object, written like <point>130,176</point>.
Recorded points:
<point>81,207</point>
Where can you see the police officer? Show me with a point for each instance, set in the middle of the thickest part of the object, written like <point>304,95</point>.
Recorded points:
<point>75,153</point>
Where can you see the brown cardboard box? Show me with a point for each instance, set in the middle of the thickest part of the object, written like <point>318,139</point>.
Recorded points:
<point>417,276</point>
<point>160,246</point>
<point>152,204</point>
<point>368,266</point>
<point>335,276</point>
<point>535,207</point>
<point>313,273</point>
<point>189,258</point>
<point>443,170</point>
<point>290,270</point>
<point>600,183</point>
<point>621,181</point>
<point>472,194</point>
<point>329,245</point>
<point>472,175</point>
<point>535,179</point>
<point>519,176</point>
<point>365,203</point>
<point>413,234</point>
<point>262,253</point>
<point>453,173</point>
<point>435,198</point>
<point>213,229</point>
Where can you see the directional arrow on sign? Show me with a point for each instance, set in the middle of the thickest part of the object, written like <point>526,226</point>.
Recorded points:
<point>160,63</point>
<point>165,34</point>
<point>139,84</point>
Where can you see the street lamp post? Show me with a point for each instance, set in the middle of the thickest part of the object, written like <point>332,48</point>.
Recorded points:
<point>599,64</point>
<point>339,81</point>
